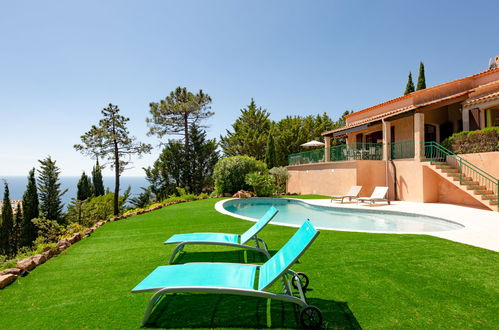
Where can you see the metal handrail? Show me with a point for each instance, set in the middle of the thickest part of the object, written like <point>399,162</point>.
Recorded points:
<point>356,151</point>
<point>402,149</point>
<point>433,150</point>
<point>306,157</point>
<point>450,153</point>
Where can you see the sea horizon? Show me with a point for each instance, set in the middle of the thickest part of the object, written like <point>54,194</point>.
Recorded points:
<point>17,185</point>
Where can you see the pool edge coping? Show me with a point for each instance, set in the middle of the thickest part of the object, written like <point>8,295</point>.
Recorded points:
<point>481,227</point>
<point>219,207</point>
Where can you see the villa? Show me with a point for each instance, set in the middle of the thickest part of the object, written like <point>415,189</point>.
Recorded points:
<point>397,144</point>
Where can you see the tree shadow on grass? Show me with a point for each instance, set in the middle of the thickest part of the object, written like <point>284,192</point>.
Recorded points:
<point>235,256</point>
<point>229,311</point>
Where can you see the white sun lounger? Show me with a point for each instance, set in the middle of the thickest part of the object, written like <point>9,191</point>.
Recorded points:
<point>351,194</point>
<point>378,195</point>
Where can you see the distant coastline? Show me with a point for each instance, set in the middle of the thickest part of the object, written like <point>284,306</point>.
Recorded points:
<point>17,185</point>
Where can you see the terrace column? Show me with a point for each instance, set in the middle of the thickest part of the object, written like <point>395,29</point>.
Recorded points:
<point>418,135</point>
<point>466,119</point>
<point>386,140</point>
<point>483,123</point>
<point>327,150</point>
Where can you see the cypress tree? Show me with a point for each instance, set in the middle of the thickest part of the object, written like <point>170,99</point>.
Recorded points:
<point>7,227</point>
<point>50,190</point>
<point>17,235</point>
<point>409,88</point>
<point>270,152</point>
<point>84,190</point>
<point>97,183</point>
<point>30,210</point>
<point>421,78</point>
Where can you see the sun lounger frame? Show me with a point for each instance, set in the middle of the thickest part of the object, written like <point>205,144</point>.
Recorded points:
<point>283,271</point>
<point>261,249</point>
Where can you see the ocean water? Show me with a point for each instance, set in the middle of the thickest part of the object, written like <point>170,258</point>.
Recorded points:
<point>17,185</point>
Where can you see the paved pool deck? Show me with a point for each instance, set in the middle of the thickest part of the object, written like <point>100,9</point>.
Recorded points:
<point>481,227</point>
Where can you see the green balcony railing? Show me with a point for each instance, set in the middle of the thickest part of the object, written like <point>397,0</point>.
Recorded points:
<point>306,157</point>
<point>356,151</point>
<point>468,174</point>
<point>402,149</point>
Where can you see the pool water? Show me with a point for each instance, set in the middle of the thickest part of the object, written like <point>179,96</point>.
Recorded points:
<point>293,212</point>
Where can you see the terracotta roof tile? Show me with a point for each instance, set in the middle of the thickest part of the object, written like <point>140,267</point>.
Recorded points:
<point>423,91</point>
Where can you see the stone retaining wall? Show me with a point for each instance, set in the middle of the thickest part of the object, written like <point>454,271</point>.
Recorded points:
<point>26,265</point>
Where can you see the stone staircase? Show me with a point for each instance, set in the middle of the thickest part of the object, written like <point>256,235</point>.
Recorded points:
<point>473,187</point>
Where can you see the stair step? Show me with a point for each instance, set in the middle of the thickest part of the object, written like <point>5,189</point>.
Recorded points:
<point>493,202</point>
<point>486,192</point>
<point>446,167</point>
<point>488,196</point>
<point>475,187</point>
<point>465,178</point>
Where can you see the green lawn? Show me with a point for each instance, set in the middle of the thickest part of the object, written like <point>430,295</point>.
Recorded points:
<point>358,280</point>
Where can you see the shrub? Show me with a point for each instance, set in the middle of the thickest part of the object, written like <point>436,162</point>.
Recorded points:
<point>262,183</point>
<point>203,196</point>
<point>48,230</point>
<point>484,140</point>
<point>95,209</point>
<point>230,172</point>
<point>73,229</point>
<point>281,176</point>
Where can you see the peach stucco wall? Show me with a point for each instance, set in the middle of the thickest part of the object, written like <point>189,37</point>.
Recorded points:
<point>487,161</point>
<point>409,182</point>
<point>370,173</point>
<point>336,178</point>
<point>404,128</point>
<point>415,181</point>
<point>442,191</point>
<point>332,178</point>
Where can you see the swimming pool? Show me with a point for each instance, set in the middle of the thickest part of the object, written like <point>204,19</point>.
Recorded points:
<point>293,212</point>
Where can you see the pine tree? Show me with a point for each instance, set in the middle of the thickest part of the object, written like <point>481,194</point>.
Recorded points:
<point>84,190</point>
<point>112,140</point>
<point>177,112</point>
<point>250,133</point>
<point>30,210</point>
<point>50,190</point>
<point>202,160</point>
<point>7,227</point>
<point>270,159</point>
<point>97,183</point>
<point>421,78</point>
<point>409,88</point>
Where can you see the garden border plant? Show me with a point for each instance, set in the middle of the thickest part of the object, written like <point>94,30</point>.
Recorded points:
<point>484,140</point>
<point>50,250</point>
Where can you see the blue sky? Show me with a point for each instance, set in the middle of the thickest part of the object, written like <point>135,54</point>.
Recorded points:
<point>61,62</point>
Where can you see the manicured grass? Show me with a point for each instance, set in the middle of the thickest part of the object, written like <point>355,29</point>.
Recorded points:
<point>358,280</point>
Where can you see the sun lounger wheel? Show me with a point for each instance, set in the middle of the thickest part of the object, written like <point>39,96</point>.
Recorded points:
<point>303,278</point>
<point>311,317</point>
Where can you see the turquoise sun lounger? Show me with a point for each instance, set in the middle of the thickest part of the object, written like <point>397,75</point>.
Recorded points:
<point>240,279</point>
<point>226,239</point>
